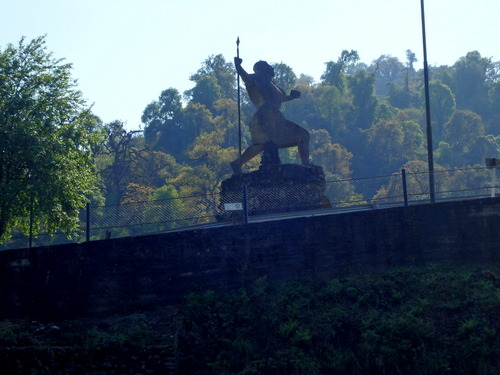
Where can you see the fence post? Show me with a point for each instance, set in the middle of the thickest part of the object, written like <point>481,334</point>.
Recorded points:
<point>88,222</point>
<point>32,203</point>
<point>493,182</point>
<point>405,190</point>
<point>245,204</point>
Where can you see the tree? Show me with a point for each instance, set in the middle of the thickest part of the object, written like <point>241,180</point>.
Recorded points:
<point>115,161</point>
<point>333,157</point>
<point>207,91</point>
<point>442,102</point>
<point>334,72</point>
<point>364,100</point>
<point>494,95</point>
<point>470,76</point>
<point>304,111</point>
<point>47,135</point>
<point>163,122</point>
<point>417,181</point>
<point>444,155</point>
<point>462,130</point>
<point>387,69</point>
<point>166,210</point>
<point>329,104</point>
<point>224,73</point>
<point>485,147</point>
<point>386,139</point>
<point>284,76</point>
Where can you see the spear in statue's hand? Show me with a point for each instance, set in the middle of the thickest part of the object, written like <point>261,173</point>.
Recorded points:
<point>239,100</point>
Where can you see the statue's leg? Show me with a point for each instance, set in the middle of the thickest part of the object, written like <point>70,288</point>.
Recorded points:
<point>249,153</point>
<point>259,139</point>
<point>292,134</point>
<point>303,147</point>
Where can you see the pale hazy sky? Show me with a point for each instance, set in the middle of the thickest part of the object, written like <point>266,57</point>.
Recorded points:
<point>125,52</point>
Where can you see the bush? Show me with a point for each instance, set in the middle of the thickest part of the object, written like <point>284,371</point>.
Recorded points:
<point>411,321</point>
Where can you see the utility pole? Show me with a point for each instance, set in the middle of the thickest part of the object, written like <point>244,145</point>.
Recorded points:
<point>239,97</point>
<point>430,156</point>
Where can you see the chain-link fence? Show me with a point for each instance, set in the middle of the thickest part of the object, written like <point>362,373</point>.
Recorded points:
<point>132,219</point>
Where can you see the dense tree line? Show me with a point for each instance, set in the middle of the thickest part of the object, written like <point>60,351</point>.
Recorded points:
<point>365,120</point>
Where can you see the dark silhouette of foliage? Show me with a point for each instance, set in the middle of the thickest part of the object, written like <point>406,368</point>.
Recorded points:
<point>412,321</point>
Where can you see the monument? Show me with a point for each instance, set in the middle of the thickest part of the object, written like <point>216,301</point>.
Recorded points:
<point>274,187</point>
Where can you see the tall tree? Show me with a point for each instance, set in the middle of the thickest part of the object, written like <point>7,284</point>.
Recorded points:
<point>224,72</point>
<point>442,102</point>
<point>334,158</point>
<point>470,76</point>
<point>364,99</point>
<point>386,140</point>
<point>46,142</point>
<point>329,103</point>
<point>115,160</point>
<point>207,91</point>
<point>334,72</point>
<point>462,130</point>
<point>163,123</point>
<point>493,126</point>
<point>284,76</point>
<point>387,69</point>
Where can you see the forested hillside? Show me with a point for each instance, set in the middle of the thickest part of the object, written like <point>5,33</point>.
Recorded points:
<point>364,120</point>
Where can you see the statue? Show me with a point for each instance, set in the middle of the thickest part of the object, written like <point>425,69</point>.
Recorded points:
<point>268,125</point>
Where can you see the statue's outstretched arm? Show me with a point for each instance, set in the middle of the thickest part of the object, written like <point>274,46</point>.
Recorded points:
<point>294,94</point>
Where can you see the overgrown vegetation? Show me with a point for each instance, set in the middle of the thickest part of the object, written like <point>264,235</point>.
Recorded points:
<point>407,321</point>
<point>431,320</point>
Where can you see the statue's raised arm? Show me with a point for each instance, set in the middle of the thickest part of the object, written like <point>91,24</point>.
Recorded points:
<point>242,72</point>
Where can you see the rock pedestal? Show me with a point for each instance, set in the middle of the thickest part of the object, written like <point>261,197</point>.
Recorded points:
<point>275,188</point>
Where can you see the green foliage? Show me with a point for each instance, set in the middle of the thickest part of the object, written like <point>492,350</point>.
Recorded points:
<point>165,208</point>
<point>224,73</point>
<point>442,103</point>
<point>364,121</point>
<point>413,321</point>
<point>334,73</point>
<point>164,128</point>
<point>470,77</point>
<point>373,116</point>
<point>206,92</point>
<point>284,76</point>
<point>47,138</point>
<point>8,337</point>
<point>134,332</point>
<point>462,129</point>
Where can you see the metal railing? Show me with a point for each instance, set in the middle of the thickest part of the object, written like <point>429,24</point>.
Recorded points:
<point>139,218</point>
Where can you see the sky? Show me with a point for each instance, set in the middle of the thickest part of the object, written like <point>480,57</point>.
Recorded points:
<point>126,52</point>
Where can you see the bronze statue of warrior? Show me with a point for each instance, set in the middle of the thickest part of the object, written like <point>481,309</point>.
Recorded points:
<point>268,124</point>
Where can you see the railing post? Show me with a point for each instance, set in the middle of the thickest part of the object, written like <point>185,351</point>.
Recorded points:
<point>32,202</point>
<point>245,204</point>
<point>493,182</point>
<point>405,189</point>
<point>88,222</point>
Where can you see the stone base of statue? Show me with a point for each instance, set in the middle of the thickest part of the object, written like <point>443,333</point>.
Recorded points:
<point>274,188</point>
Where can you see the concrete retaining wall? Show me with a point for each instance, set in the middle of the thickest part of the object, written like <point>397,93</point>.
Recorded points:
<point>139,273</point>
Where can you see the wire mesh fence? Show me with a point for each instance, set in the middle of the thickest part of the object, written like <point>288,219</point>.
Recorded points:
<point>153,216</point>
<point>138,218</point>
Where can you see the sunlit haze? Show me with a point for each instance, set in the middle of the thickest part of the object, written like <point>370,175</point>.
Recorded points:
<point>125,52</point>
